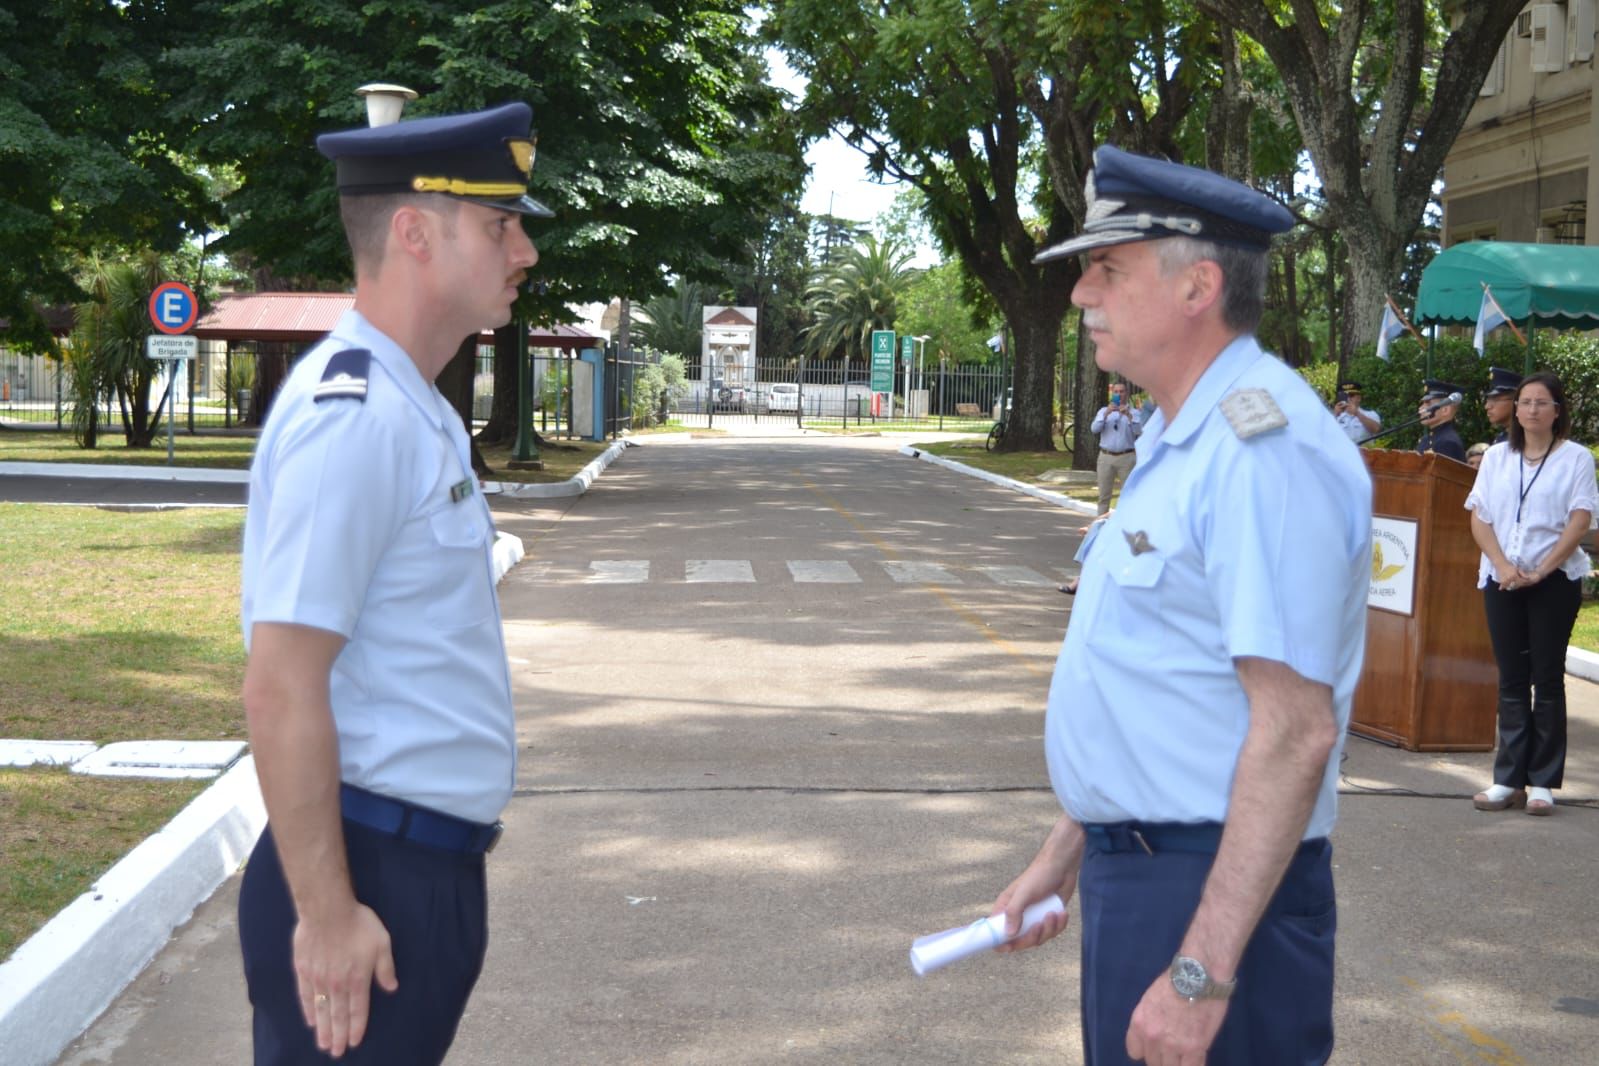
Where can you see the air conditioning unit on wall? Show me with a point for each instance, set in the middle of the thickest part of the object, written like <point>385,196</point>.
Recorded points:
<point>1579,31</point>
<point>1548,38</point>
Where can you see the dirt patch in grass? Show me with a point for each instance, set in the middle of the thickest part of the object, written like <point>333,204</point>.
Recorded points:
<point>562,459</point>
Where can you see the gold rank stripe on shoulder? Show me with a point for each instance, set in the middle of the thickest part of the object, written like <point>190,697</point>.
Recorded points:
<point>462,187</point>
<point>1252,412</point>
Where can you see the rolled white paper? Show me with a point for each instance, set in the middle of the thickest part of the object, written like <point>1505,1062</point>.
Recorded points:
<point>930,952</point>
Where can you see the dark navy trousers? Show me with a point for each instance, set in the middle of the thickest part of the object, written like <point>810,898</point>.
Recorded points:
<point>1136,908</point>
<point>433,903</point>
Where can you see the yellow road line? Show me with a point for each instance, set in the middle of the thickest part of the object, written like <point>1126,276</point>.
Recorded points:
<point>960,611</point>
<point>1449,1025</point>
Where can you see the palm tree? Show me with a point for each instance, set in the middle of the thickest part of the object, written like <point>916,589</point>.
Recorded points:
<point>108,348</point>
<point>673,322</point>
<point>856,294</point>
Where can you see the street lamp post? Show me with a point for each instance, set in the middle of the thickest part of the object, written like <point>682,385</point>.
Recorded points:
<point>921,358</point>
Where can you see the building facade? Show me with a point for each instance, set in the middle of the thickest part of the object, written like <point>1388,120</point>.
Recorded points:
<point>1523,168</point>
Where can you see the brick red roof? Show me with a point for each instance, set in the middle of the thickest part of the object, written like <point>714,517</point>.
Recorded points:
<point>273,316</point>
<point>303,317</point>
<point>729,316</point>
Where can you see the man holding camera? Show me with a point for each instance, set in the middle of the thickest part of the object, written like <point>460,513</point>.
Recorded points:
<point>1353,419</point>
<point>1117,424</point>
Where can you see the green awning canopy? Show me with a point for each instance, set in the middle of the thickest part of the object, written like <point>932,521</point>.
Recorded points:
<point>1557,285</point>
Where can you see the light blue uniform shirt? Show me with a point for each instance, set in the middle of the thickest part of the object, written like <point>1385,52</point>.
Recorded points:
<point>1221,547</point>
<point>353,527</point>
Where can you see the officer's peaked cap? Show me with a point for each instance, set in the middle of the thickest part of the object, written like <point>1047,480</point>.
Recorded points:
<point>1138,198</point>
<point>1502,382</point>
<point>1439,390</point>
<point>484,157</point>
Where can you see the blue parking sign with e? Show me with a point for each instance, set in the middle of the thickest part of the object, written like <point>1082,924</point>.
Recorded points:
<point>173,307</point>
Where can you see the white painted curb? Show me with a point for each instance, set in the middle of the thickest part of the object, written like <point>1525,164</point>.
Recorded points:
<point>1583,664</point>
<point>60,980</point>
<point>1056,498</point>
<point>127,473</point>
<point>576,485</point>
<point>507,553</point>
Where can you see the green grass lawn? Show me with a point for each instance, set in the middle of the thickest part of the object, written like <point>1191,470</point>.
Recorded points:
<point>116,626</point>
<point>1586,633</point>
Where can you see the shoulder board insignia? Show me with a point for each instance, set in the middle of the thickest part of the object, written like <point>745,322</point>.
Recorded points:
<point>345,376</point>
<point>1252,412</point>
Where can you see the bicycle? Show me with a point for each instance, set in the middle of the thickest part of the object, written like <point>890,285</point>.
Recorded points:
<point>996,436</point>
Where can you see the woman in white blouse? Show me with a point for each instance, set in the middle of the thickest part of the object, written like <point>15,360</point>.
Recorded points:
<point>1534,498</point>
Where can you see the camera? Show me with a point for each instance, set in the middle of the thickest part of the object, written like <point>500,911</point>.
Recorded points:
<point>1340,396</point>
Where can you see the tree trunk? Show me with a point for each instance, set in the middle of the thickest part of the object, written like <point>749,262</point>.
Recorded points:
<point>455,382</point>
<point>1092,385</point>
<point>501,426</point>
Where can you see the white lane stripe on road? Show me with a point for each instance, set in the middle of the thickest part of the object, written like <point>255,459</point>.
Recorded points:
<point>907,573</point>
<point>706,571</point>
<point>823,571</point>
<point>619,571</point>
<point>1013,575</point>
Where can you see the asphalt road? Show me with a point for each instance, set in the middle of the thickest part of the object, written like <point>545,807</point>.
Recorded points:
<point>782,704</point>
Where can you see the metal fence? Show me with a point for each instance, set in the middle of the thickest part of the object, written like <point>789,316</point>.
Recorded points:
<point>953,397</point>
<point>231,385</point>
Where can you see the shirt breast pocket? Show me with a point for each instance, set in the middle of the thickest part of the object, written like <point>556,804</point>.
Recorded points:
<point>1138,572</point>
<point>462,596</point>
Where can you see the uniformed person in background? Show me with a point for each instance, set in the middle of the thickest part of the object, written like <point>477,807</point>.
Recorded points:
<point>1499,400</point>
<point>1231,580</point>
<point>1438,415</point>
<point>377,690</point>
<point>1356,421</point>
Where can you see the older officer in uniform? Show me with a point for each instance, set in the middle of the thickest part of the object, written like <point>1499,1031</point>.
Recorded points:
<point>377,690</point>
<point>1231,580</point>
<point>1438,415</point>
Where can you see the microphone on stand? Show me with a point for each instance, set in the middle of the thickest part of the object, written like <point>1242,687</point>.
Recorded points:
<point>1452,398</point>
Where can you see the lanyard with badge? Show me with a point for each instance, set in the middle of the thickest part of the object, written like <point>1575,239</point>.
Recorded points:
<point>1523,484</point>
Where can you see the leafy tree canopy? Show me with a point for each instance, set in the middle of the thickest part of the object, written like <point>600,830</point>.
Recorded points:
<point>658,140</point>
<point>85,163</point>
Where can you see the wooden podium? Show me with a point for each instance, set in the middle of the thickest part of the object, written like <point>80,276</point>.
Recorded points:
<point>1429,682</point>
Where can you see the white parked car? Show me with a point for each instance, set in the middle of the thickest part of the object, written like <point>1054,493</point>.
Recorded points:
<point>783,397</point>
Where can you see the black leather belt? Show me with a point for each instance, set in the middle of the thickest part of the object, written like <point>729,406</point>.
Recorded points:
<point>1107,451</point>
<point>1154,837</point>
<point>417,824</point>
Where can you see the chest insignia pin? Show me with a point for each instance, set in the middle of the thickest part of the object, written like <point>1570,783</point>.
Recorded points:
<point>1138,541</point>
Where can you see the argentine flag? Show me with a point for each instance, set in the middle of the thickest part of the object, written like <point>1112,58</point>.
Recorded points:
<point>1489,317</point>
<point>1391,327</point>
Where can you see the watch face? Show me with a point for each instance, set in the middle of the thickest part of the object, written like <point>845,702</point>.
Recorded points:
<point>1188,977</point>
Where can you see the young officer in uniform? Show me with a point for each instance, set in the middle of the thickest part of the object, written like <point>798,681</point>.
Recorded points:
<point>1232,580</point>
<point>1440,436</point>
<point>377,689</point>
<point>1499,400</point>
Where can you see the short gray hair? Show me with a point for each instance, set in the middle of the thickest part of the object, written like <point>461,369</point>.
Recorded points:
<point>1243,276</point>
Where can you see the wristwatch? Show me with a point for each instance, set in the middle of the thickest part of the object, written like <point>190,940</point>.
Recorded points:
<point>1189,978</point>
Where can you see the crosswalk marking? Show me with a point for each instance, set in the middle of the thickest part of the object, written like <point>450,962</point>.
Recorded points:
<point>907,573</point>
<point>619,571</point>
<point>1013,575</point>
<point>801,571</point>
<point>823,571</point>
<point>706,571</point>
